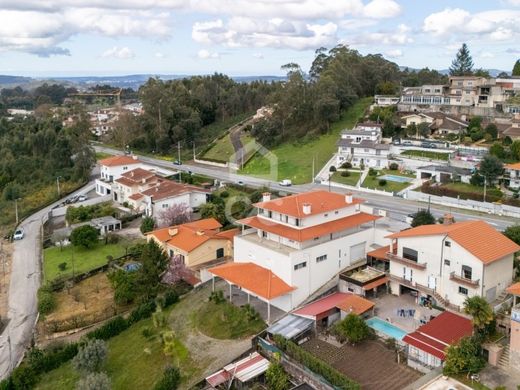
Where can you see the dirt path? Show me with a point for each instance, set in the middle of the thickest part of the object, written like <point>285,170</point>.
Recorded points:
<point>6,256</point>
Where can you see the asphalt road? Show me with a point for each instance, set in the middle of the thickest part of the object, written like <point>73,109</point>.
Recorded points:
<point>397,208</point>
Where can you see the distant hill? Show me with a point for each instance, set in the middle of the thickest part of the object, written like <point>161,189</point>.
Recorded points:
<point>14,80</point>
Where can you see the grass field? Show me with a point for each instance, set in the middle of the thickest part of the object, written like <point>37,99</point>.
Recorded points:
<point>426,154</point>
<point>222,150</point>
<point>295,159</point>
<point>84,259</point>
<point>102,155</point>
<point>391,186</point>
<point>349,180</point>
<point>465,187</point>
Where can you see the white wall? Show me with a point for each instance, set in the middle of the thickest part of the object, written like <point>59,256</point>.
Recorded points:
<point>498,274</point>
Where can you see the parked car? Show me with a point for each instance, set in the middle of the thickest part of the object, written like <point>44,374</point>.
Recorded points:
<point>286,183</point>
<point>177,162</point>
<point>18,234</point>
<point>396,141</point>
<point>82,198</point>
<point>407,143</point>
<point>240,182</point>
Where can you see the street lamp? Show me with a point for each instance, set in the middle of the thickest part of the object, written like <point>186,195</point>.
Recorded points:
<point>16,208</point>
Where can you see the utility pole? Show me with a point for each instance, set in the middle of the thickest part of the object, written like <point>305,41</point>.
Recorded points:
<point>16,209</point>
<point>193,150</point>
<point>485,187</point>
<point>179,150</point>
<point>58,185</point>
<point>313,168</point>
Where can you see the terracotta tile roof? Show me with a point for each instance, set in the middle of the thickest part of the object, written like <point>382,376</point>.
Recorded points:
<point>514,289</point>
<point>168,188</point>
<point>229,234</point>
<point>444,330</point>
<point>477,237</point>
<point>115,161</point>
<point>311,232</point>
<point>136,196</point>
<point>206,224</point>
<point>322,305</point>
<point>375,283</point>
<point>320,201</point>
<point>138,174</point>
<point>251,277</point>
<point>355,304</point>
<point>126,182</point>
<point>380,253</point>
<point>515,166</point>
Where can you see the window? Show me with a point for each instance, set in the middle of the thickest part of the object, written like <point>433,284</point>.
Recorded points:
<point>165,205</point>
<point>447,243</point>
<point>264,234</point>
<point>446,262</point>
<point>297,221</point>
<point>326,215</point>
<point>410,254</point>
<point>466,272</point>
<point>270,214</point>
<point>316,238</point>
<point>336,212</point>
<point>286,219</point>
<point>300,265</point>
<point>463,290</point>
<point>321,258</point>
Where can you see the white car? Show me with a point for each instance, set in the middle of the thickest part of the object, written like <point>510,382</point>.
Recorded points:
<point>18,234</point>
<point>286,183</point>
<point>82,198</point>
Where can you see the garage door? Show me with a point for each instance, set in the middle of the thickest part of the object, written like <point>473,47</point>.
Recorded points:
<point>357,252</point>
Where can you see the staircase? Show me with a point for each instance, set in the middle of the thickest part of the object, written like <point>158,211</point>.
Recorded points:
<point>503,362</point>
<point>439,299</point>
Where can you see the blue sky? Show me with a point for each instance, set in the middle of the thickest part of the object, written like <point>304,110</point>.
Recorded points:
<point>246,37</point>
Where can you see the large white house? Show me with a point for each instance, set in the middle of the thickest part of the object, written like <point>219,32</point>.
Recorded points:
<point>451,262</point>
<point>362,146</point>
<point>299,243</point>
<point>512,173</point>
<point>111,169</point>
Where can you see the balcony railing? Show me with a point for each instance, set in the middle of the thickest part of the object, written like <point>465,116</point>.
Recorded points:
<point>402,260</point>
<point>463,280</point>
<point>412,284</point>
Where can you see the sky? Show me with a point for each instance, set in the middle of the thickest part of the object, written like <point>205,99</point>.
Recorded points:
<point>246,37</point>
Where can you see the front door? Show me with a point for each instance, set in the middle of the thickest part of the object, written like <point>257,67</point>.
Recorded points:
<point>432,282</point>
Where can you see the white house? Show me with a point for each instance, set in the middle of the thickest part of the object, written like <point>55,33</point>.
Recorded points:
<point>512,172</point>
<point>386,100</point>
<point>451,262</point>
<point>362,147</point>
<point>304,240</point>
<point>444,174</point>
<point>112,168</point>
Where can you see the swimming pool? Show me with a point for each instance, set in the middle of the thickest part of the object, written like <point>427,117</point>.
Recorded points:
<point>398,179</point>
<point>386,328</point>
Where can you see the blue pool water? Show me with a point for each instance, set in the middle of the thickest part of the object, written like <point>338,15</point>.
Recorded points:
<point>399,179</point>
<point>386,328</point>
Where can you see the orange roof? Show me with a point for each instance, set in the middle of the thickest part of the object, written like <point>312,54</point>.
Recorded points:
<point>515,166</point>
<point>514,289</point>
<point>115,161</point>
<point>135,196</point>
<point>379,253</point>
<point>355,304</point>
<point>375,283</point>
<point>320,202</point>
<point>138,174</point>
<point>251,277</point>
<point>310,232</point>
<point>477,237</point>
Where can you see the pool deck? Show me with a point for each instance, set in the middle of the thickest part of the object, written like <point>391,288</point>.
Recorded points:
<point>387,306</point>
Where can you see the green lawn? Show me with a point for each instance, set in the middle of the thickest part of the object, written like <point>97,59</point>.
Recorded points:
<point>84,259</point>
<point>391,186</point>
<point>295,159</point>
<point>464,187</point>
<point>426,154</point>
<point>226,321</point>
<point>349,180</point>
<point>102,155</point>
<point>222,150</point>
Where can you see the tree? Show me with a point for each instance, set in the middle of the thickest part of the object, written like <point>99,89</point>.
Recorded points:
<point>476,180</point>
<point>516,68</point>
<point>153,263</point>
<point>492,130</point>
<point>491,167</point>
<point>147,224</point>
<point>463,357</point>
<point>276,378</point>
<point>497,150</point>
<point>352,328</point>
<point>424,129</point>
<point>423,217</point>
<point>91,356</point>
<point>515,150</point>
<point>124,285</point>
<point>481,312</point>
<point>176,214</point>
<point>475,123</point>
<point>212,210</point>
<point>86,236</point>
<point>513,233</point>
<point>94,381</point>
<point>170,379</point>
<point>462,65</point>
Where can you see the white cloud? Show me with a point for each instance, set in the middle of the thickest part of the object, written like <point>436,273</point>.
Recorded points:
<point>160,55</point>
<point>276,32</point>
<point>258,56</point>
<point>206,55</point>
<point>381,9</point>
<point>400,36</point>
<point>121,53</point>
<point>396,53</point>
<point>486,54</point>
<point>513,51</point>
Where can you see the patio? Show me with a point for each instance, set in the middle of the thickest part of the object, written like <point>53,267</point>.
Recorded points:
<point>388,308</point>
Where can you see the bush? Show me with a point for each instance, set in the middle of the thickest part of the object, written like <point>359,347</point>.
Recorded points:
<point>147,225</point>
<point>94,381</point>
<point>372,172</point>
<point>141,312</point>
<point>346,165</point>
<point>256,196</point>
<point>46,300</point>
<point>332,168</point>
<point>276,378</point>
<point>170,379</point>
<point>91,356</point>
<point>345,174</point>
<point>393,166</point>
<point>147,332</point>
<point>62,266</point>
<point>382,182</point>
<point>86,236</point>
<point>224,194</point>
<point>170,297</point>
<point>112,328</point>
<point>352,328</point>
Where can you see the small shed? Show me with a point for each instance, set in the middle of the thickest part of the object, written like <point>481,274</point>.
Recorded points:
<point>106,224</point>
<point>239,372</point>
<point>292,327</point>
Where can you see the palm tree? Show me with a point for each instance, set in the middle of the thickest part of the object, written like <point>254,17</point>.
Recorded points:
<point>480,310</point>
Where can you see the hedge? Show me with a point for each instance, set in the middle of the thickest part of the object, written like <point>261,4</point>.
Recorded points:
<point>316,365</point>
<point>444,191</point>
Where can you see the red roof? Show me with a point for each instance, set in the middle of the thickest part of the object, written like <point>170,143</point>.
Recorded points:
<point>379,253</point>
<point>115,161</point>
<point>322,305</point>
<point>319,201</point>
<point>311,232</point>
<point>514,289</point>
<point>444,330</point>
<point>355,304</point>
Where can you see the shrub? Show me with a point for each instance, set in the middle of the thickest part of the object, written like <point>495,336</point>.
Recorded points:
<point>125,204</point>
<point>170,297</point>
<point>94,381</point>
<point>112,328</point>
<point>382,182</point>
<point>276,378</point>
<point>147,332</point>
<point>62,266</point>
<point>372,172</point>
<point>46,300</point>
<point>346,165</point>
<point>332,168</point>
<point>170,379</point>
<point>224,194</point>
<point>91,356</point>
<point>345,174</point>
<point>142,311</point>
<point>256,196</point>
<point>393,166</point>
<point>217,297</point>
<point>147,225</point>
<point>86,236</point>
<point>352,328</point>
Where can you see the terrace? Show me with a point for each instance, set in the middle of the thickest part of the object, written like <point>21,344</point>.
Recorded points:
<point>463,280</point>
<point>408,262</point>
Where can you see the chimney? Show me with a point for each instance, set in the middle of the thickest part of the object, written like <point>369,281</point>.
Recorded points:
<point>348,197</point>
<point>173,231</point>
<point>157,189</point>
<point>307,208</point>
<point>132,173</point>
<point>266,197</point>
<point>134,157</point>
<point>200,232</point>
<point>448,219</point>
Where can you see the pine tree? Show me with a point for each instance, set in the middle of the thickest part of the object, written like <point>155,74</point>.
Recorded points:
<point>516,68</point>
<point>462,65</point>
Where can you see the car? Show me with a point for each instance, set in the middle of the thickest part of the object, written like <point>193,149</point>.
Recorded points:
<point>177,162</point>
<point>18,234</point>
<point>286,183</point>
<point>82,198</point>
<point>240,182</point>
<point>433,146</point>
<point>407,143</point>
<point>396,141</point>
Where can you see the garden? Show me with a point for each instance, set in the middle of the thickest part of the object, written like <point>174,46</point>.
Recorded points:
<point>348,177</point>
<point>426,154</point>
<point>376,180</point>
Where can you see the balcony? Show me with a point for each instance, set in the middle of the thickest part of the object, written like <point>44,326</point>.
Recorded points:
<point>463,280</point>
<point>412,284</point>
<point>407,262</point>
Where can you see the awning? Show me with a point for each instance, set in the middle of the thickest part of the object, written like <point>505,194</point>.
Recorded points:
<point>291,326</point>
<point>244,370</point>
<point>380,253</point>
<point>375,283</point>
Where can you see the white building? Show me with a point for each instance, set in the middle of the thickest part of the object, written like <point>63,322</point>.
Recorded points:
<point>111,169</point>
<point>451,262</point>
<point>386,100</point>
<point>303,240</point>
<point>512,173</point>
<point>362,147</point>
